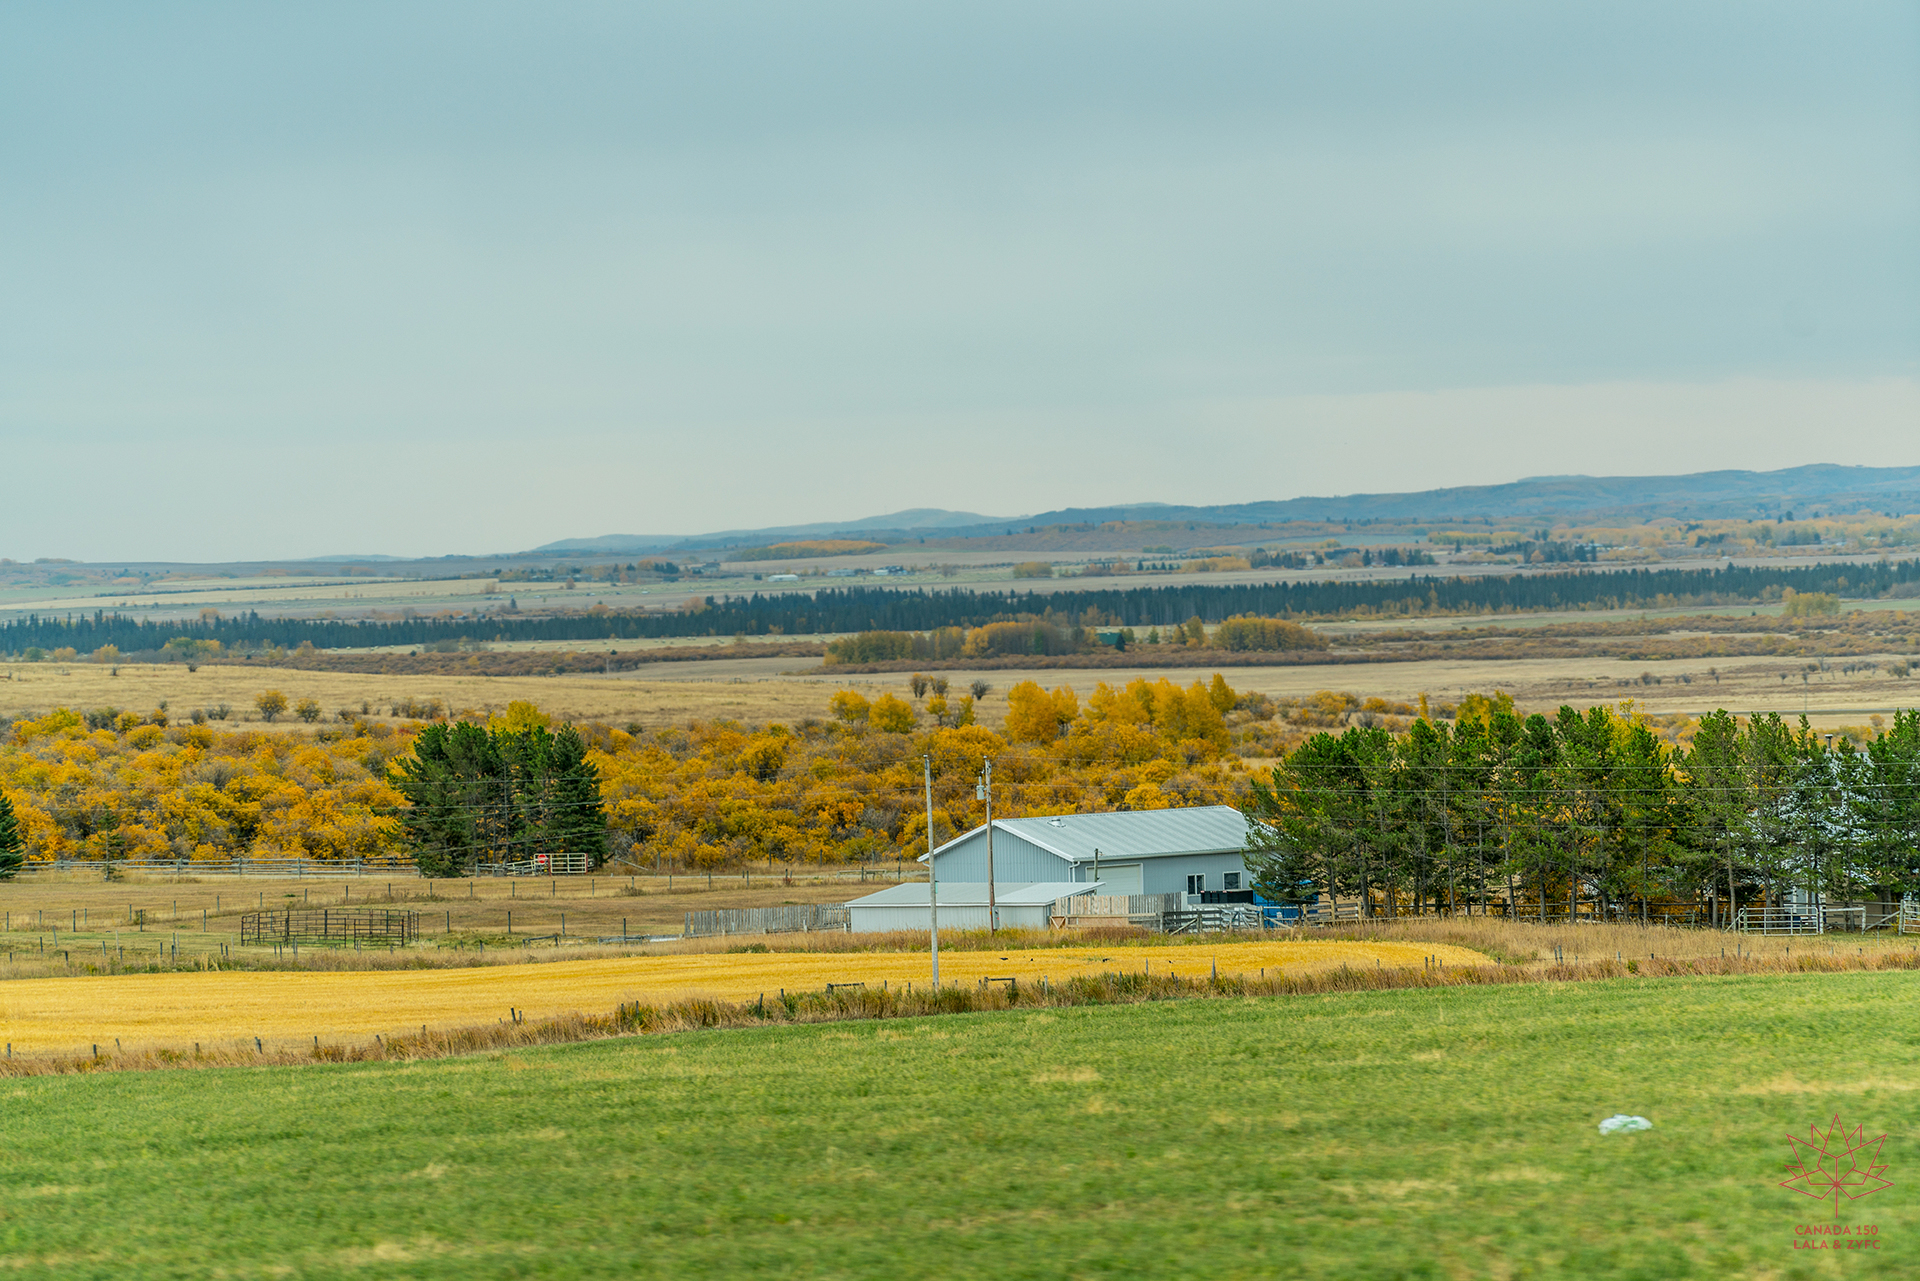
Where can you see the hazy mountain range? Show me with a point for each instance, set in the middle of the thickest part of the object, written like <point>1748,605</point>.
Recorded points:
<point>1702,495</point>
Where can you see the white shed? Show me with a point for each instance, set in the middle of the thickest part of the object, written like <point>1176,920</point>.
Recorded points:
<point>963,905</point>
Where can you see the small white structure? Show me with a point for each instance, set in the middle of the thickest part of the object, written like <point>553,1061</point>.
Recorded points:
<point>963,905</point>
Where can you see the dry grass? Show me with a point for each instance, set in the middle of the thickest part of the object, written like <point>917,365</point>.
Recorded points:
<point>764,695</point>
<point>1521,942</point>
<point>1099,987</point>
<point>48,914</point>
<point>52,1015</point>
<point>762,689</point>
<point>1833,699</point>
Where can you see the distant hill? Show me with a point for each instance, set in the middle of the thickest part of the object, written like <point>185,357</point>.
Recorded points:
<point>1717,494</point>
<point>914,518</point>
<point>1702,495</point>
<point>616,544</point>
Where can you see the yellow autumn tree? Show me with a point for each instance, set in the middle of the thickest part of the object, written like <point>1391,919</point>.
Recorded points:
<point>1035,716</point>
<point>520,715</point>
<point>891,714</point>
<point>851,706</point>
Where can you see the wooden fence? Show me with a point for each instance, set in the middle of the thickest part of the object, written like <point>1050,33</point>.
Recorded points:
<point>789,919</point>
<point>1120,909</point>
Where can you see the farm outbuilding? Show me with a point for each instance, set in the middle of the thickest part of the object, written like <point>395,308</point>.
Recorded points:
<point>963,906</point>
<point>1173,851</point>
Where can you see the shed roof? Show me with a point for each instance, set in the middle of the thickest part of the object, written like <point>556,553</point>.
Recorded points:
<point>974,893</point>
<point>1198,829</point>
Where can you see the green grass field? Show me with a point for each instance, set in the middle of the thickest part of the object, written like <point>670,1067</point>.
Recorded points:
<point>1424,1133</point>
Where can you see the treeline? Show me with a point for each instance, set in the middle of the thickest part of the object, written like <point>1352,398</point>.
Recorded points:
<point>1591,811</point>
<point>1049,637</point>
<point>861,609</point>
<point>1287,558</point>
<point>251,632</point>
<point>844,788</point>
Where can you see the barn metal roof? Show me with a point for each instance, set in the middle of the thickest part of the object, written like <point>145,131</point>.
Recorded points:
<point>1199,829</point>
<point>974,893</point>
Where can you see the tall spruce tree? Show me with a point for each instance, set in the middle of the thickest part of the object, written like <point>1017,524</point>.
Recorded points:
<point>579,817</point>
<point>12,851</point>
<point>503,795</point>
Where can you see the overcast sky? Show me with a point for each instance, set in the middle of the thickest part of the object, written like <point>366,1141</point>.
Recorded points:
<point>287,280</point>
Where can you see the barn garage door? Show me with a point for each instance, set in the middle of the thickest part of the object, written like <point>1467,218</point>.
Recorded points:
<point>1120,878</point>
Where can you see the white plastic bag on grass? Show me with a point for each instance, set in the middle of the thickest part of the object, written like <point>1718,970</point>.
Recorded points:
<point>1621,1123</point>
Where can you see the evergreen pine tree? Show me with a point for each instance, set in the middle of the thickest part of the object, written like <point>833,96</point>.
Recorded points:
<point>12,852</point>
<point>502,795</point>
<point>579,817</point>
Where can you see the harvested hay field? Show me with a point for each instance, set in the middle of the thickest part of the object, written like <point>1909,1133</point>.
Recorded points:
<point>68,1015</point>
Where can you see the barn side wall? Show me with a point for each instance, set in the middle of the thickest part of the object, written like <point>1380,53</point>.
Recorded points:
<point>873,920</point>
<point>1014,860</point>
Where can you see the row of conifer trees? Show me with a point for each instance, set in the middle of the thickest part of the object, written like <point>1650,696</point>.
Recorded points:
<point>1592,811</point>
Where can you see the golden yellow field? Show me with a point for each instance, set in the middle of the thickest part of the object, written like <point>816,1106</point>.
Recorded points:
<point>218,1009</point>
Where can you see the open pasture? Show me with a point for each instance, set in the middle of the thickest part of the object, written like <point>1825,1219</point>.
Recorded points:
<point>1744,685</point>
<point>1428,1133</point>
<point>52,914</point>
<point>656,698</point>
<point>759,690</point>
<point>1844,688</point>
<point>176,1010</point>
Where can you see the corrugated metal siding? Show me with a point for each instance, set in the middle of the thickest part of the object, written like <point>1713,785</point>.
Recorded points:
<point>1169,875</point>
<point>1167,845</point>
<point>1139,833</point>
<point>1165,875</point>
<point>1119,878</point>
<point>874,920</point>
<point>1014,859</point>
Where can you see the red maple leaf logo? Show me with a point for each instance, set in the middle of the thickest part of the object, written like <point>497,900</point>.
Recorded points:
<point>1837,1163</point>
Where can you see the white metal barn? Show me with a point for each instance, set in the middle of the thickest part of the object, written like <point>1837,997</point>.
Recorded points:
<point>963,906</point>
<point>1176,851</point>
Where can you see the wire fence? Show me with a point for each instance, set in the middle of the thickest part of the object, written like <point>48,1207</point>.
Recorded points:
<point>106,869</point>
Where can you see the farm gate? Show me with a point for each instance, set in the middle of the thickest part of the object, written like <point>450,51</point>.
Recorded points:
<point>559,864</point>
<point>329,925</point>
